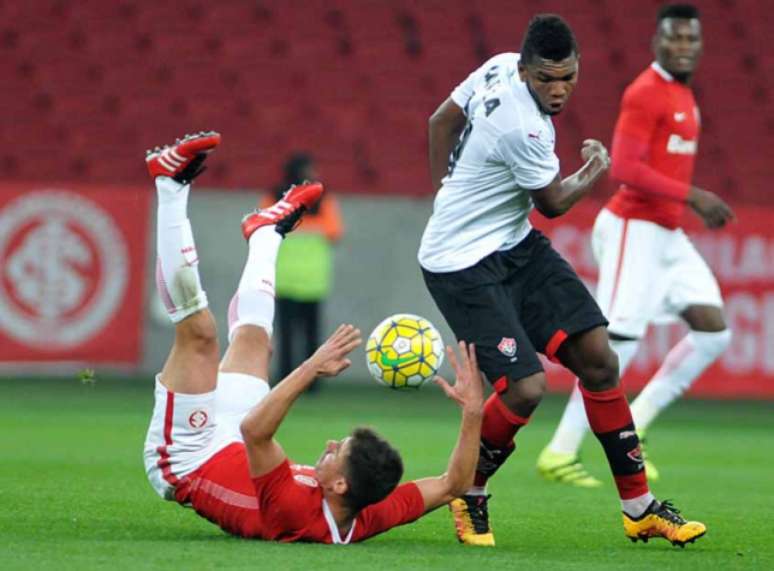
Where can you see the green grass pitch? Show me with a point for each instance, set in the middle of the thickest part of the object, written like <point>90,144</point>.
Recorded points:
<point>73,494</point>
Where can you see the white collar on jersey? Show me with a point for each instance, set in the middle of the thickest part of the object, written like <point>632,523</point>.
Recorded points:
<point>335,528</point>
<point>661,71</point>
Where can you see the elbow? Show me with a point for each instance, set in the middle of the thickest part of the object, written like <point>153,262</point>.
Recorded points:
<point>550,210</point>
<point>460,490</point>
<point>249,433</point>
<point>244,428</point>
<point>456,487</point>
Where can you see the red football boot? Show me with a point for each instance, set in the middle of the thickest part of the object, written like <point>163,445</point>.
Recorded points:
<point>183,160</point>
<point>286,212</point>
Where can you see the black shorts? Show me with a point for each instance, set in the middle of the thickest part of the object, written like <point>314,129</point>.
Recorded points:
<point>513,304</point>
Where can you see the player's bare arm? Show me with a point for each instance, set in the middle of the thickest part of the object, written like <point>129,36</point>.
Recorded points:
<point>261,423</point>
<point>562,194</point>
<point>444,130</point>
<point>468,393</point>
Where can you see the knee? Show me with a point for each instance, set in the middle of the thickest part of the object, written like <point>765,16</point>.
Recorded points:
<point>198,333</point>
<point>600,370</point>
<point>523,395</point>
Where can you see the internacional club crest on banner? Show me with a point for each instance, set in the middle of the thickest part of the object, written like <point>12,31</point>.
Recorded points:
<point>69,265</point>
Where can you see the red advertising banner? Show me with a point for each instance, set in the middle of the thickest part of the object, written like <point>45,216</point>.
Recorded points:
<point>742,258</point>
<point>72,260</point>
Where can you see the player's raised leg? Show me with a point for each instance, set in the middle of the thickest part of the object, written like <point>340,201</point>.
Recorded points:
<point>627,296</point>
<point>182,425</point>
<point>589,356</point>
<point>251,311</point>
<point>560,461</point>
<point>192,362</point>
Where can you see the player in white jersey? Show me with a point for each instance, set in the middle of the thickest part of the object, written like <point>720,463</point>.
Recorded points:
<point>501,285</point>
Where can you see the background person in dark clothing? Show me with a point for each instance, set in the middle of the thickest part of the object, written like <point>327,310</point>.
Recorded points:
<point>304,269</point>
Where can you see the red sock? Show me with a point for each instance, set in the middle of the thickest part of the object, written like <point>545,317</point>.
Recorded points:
<point>611,420</point>
<point>499,427</point>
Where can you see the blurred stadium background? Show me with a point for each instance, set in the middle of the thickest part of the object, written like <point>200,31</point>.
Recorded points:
<point>88,85</point>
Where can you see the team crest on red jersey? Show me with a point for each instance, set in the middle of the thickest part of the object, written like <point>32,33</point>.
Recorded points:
<point>507,346</point>
<point>198,419</point>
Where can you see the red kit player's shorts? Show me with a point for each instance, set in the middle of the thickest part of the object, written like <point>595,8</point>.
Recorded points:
<point>186,430</point>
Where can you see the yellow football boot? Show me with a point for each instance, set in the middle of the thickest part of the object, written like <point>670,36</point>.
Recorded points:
<point>662,519</point>
<point>471,520</point>
<point>565,469</point>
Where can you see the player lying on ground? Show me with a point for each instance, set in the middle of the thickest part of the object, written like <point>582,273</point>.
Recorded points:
<point>211,443</point>
<point>648,268</point>
<point>500,284</point>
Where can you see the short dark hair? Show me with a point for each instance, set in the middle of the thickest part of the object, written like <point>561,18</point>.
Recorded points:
<point>682,11</point>
<point>548,36</point>
<point>373,470</point>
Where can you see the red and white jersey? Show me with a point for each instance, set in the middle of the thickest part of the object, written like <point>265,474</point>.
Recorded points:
<point>661,112</point>
<point>286,504</point>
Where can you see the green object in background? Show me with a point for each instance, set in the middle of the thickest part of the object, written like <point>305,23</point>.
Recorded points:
<point>304,267</point>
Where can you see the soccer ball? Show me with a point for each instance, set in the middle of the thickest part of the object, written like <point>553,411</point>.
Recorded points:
<point>404,351</point>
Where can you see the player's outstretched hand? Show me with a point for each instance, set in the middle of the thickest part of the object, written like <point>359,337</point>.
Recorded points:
<point>331,358</point>
<point>593,149</point>
<point>468,390</point>
<point>710,207</point>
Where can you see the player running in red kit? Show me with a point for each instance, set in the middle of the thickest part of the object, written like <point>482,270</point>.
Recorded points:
<point>210,444</point>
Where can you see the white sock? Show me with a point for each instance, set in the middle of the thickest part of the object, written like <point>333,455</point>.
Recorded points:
<point>637,506</point>
<point>476,491</point>
<point>177,273</point>
<point>253,302</point>
<point>683,364</point>
<point>574,425</point>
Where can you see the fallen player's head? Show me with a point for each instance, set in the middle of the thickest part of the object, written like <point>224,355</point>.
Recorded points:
<point>677,44</point>
<point>362,469</point>
<point>549,62</point>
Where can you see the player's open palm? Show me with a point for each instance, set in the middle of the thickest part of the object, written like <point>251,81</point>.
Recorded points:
<point>331,358</point>
<point>468,390</point>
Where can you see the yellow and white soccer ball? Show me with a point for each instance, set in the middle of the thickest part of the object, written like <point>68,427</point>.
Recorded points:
<point>404,351</point>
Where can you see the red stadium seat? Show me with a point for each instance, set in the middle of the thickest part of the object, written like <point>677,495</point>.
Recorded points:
<point>352,82</point>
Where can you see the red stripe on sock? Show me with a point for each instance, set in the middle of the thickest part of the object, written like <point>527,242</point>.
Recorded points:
<point>606,410</point>
<point>500,425</point>
<point>554,343</point>
<point>632,486</point>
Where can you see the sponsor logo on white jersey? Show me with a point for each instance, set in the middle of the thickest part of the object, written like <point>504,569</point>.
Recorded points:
<point>679,146</point>
<point>63,269</point>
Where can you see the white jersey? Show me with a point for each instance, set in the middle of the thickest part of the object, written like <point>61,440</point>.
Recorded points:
<point>505,150</point>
